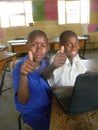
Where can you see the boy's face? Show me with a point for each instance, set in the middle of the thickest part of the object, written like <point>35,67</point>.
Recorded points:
<point>71,47</point>
<point>39,47</point>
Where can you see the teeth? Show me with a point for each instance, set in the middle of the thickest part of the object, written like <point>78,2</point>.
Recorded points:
<point>73,52</point>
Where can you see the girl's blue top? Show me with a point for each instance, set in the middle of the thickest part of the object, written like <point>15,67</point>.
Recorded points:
<point>36,112</point>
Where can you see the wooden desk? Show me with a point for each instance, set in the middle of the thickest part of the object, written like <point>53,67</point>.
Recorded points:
<point>54,44</point>
<point>3,48</point>
<point>18,46</point>
<point>85,121</point>
<point>6,56</point>
<point>5,59</point>
<point>62,121</point>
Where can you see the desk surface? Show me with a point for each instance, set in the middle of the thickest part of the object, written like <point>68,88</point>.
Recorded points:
<point>57,39</point>
<point>50,40</point>
<point>61,121</point>
<point>17,41</point>
<point>6,55</point>
<point>85,121</point>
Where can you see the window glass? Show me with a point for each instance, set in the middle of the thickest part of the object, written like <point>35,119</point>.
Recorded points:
<point>17,13</point>
<point>70,12</point>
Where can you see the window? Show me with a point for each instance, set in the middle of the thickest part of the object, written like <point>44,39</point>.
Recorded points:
<point>15,13</point>
<point>73,11</point>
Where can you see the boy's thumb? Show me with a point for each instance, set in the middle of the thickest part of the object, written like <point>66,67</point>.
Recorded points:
<point>30,55</point>
<point>62,49</point>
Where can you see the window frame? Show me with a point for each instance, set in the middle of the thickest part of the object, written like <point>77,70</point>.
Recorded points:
<point>62,17</point>
<point>22,18</point>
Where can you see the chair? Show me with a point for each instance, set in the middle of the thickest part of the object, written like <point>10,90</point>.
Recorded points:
<point>19,122</point>
<point>90,41</point>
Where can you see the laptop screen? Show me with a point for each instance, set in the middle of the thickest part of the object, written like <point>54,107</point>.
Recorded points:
<point>83,95</point>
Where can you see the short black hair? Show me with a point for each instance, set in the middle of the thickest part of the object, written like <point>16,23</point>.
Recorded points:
<point>33,33</point>
<point>64,36</point>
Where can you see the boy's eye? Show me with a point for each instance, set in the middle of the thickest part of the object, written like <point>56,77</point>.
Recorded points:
<point>33,44</point>
<point>43,45</point>
<point>69,44</point>
<point>36,45</point>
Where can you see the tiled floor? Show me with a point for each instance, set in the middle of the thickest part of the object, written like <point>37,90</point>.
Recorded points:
<point>8,113</point>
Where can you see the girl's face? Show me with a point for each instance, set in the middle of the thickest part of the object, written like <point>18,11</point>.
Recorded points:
<point>39,47</point>
<point>71,47</point>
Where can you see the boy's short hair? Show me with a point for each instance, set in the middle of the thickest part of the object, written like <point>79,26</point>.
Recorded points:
<point>64,36</point>
<point>33,33</point>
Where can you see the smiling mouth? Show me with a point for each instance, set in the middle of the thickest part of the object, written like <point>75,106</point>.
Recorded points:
<point>38,56</point>
<point>73,52</point>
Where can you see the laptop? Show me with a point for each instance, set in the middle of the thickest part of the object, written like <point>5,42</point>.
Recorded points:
<point>81,97</point>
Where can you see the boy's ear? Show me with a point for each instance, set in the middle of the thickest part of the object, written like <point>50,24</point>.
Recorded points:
<point>28,46</point>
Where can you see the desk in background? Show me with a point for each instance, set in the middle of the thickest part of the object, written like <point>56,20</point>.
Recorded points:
<point>5,59</point>
<point>3,48</point>
<point>18,46</point>
<point>84,121</point>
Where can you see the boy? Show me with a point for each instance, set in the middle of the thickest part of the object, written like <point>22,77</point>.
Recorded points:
<point>66,64</point>
<point>31,90</point>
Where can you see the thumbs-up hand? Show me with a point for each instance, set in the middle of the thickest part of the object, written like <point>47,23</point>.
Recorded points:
<point>28,66</point>
<point>60,58</point>
<point>30,55</point>
<point>62,49</point>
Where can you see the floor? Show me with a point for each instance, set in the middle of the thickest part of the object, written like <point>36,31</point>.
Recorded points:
<point>8,113</point>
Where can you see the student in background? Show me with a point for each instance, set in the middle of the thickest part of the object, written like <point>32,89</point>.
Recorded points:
<point>66,64</point>
<point>30,89</point>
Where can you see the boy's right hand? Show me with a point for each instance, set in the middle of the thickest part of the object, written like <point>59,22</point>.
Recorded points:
<point>60,58</point>
<point>28,66</point>
<point>62,49</point>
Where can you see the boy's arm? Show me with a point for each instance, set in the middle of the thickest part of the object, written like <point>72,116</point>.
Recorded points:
<point>23,90</point>
<point>48,71</point>
<point>58,61</point>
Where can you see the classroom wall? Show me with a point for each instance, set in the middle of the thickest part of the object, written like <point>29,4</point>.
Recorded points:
<point>51,28</point>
